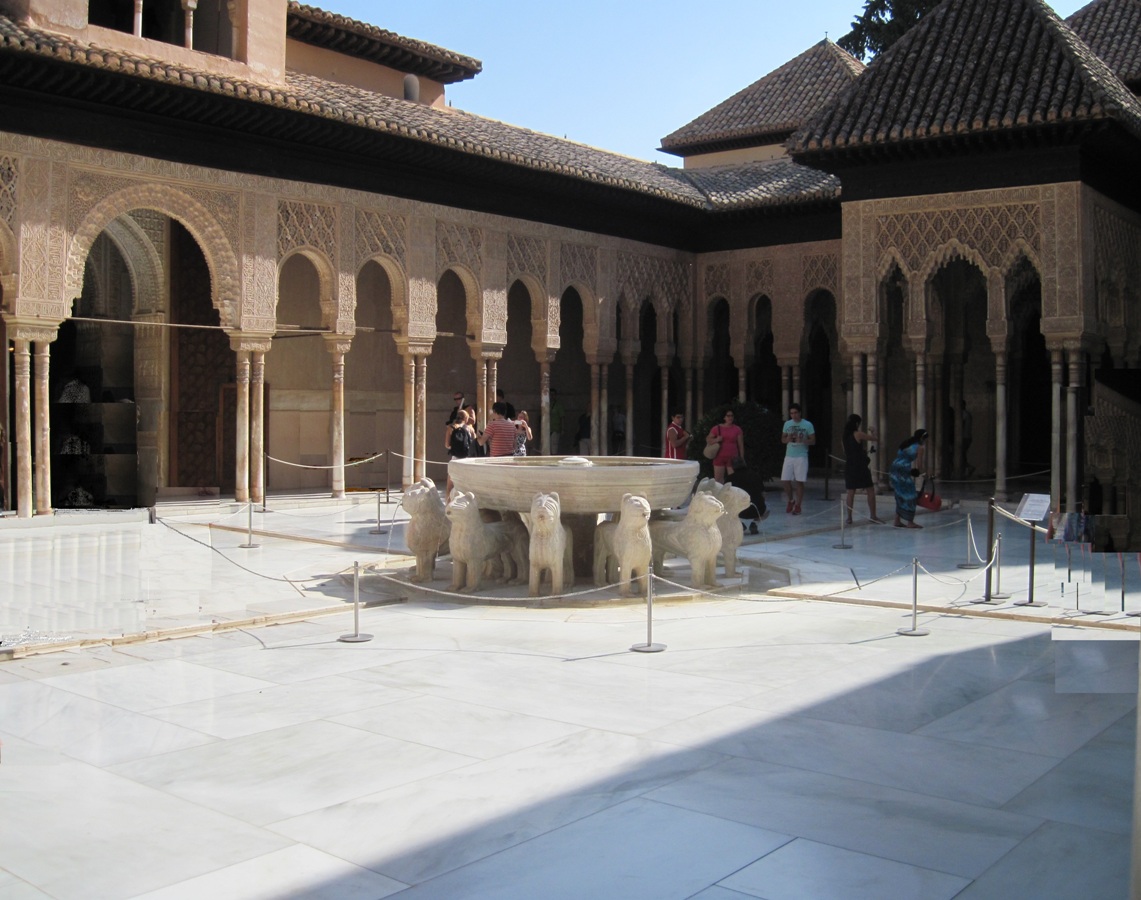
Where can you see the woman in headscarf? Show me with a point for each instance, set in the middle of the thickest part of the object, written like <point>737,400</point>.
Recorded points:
<point>906,468</point>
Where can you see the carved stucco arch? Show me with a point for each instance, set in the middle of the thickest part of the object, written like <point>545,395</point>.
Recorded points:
<point>143,263</point>
<point>398,282</point>
<point>326,279</point>
<point>888,262</point>
<point>474,313</point>
<point>221,259</point>
<point>591,315</point>
<point>921,315</point>
<point>545,314</point>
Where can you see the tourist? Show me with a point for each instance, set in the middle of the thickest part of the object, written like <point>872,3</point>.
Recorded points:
<point>458,441</point>
<point>857,467</point>
<point>502,398</point>
<point>731,447</point>
<point>798,435</point>
<point>557,415</point>
<point>906,468</point>
<point>499,434</point>
<point>458,398</point>
<point>677,438</point>
<point>522,433</point>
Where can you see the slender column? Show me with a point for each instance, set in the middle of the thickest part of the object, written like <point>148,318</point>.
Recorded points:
<point>23,365</point>
<point>545,407</point>
<point>604,410</point>
<point>1057,376</point>
<point>1000,421</point>
<point>689,396</point>
<point>881,428</point>
<point>482,393</point>
<point>785,391</point>
<point>955,377</point>
<point>629,409</point>
<point>595,414</point>
<point>872,419</point>
<point>666,411</point>
<point>795,384</point>
<point>43,429</point>
<point>700,391</point>
<point>492,390</point>
<point>242,429</point>
<point>1073,389</point>
<point>338,349</point>
<point>188,7</point>
<point>257,426</point>
<point>421,416</point>
<point>138,23</point>
<point>741,392</point>
<point>939,419</point>
<point>409,468</point>
<point>857,405</point>
<point>920,390</point>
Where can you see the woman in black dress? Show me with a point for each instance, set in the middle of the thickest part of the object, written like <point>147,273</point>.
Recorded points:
<point>857,466</point>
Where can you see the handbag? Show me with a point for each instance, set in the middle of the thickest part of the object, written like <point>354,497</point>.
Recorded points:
<point>711,450</point>
<point>927,498</point>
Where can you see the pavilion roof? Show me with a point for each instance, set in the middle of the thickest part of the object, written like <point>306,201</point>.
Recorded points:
<point>971,68</point>
<point>771,108</point>
<point>341,34</point>
<point>1112,29</point>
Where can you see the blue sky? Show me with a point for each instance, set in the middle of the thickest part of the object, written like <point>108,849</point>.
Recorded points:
<point>618,75</point>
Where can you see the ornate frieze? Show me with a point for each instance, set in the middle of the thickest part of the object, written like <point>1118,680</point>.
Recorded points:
<point>379,232</point>
<point>526,256</point>
<point>717,281</point>
<point>666,281</point>
<point>579,265</point>
<point>306,225</point>
<point>458,244</point>
<point>8,173</point>
<point>821,271</point>
<point>759,278</point>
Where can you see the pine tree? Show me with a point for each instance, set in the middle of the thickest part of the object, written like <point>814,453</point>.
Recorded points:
<point>882,23</point>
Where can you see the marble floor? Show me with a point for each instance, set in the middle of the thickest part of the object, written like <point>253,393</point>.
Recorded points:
<point>779,747</point>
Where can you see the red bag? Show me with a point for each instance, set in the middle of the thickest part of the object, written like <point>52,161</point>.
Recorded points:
<point>927,498</point>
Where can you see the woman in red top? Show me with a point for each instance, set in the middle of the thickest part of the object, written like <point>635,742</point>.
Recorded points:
<point>500,431</point>
<point>732,441</point>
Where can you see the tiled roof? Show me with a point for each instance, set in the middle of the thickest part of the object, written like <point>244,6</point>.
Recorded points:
<point>971,67</point>
<point>775,182</point>
<point>1112,28</point>
<point>769,110</point>
<point>352,38</point>
<point>464,133</point>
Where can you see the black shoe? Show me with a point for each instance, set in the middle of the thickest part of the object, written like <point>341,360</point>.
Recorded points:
<point>753,528</point>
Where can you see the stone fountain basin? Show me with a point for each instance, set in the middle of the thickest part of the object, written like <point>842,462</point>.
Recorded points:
<point>591,484</point>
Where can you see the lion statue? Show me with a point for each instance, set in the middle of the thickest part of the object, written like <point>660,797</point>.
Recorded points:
<point>735,500</point>
<point>623,546</point>
<point>428,527</point>
<point>552,545</point>
<point>475,543</point>
<point>696,537</point>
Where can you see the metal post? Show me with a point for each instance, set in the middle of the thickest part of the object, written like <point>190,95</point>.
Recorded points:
<point>1030,601</point>
<point>843,509</point>
<point>998,594</point>
<point>356,637</point>
<point>987,596</point>
<point>378,529</point>
<point>649,646</point>
<point>249,544</point>
<point>914,630</point>
<point>970,541</point>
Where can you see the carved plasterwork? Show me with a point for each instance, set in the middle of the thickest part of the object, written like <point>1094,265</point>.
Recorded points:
<point>259,264</point>
<point>8,173</point>
<point>759,278</point>
<point>381,233</point>
<point>1117,265</point>
<point>526,256</point>
<point>306,225</point>
<point>821,271</point>
<point>717,281</point>
<point>458,245</point>
<point>579,264</point>
<point>665,281</point>
<point>171,201</point>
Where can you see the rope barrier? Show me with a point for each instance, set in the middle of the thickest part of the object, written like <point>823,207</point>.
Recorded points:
<point>359,462</point>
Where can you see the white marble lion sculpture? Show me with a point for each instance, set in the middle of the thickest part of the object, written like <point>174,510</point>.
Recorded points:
<point>552,545</point>
<point>622,548</point>
<point>475,543</point>
<point>696,537</point>
<point>735,500</point>
<point>428,527</point>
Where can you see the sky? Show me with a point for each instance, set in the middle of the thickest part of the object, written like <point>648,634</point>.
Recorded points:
<point>619,75</point>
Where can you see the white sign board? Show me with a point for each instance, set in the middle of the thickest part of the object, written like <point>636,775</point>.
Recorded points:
<point>1033,507</point>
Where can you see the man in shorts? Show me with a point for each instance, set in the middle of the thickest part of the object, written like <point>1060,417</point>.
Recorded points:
<point>798,436</point>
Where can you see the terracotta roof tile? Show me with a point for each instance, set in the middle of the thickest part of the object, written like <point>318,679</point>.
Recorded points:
<point>970,67</point>
<point>770,109</point>
<point>463,132</point>
<point>348,36</point>
<point>1112,29</point>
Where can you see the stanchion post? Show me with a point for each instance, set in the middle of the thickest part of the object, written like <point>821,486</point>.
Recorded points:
<point>843,545</point>
<point>998,593</point>
<point>987,596</point>
<point>356,637</point>
<point>914,630</point>
<point>1030,601</point>
<point>649,646</point>
<point>387,477</point>
<point>378,529</point>
<point>970,540</point>
<point>249,544</point>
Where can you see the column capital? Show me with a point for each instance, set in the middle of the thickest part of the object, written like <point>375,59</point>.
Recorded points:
<point>338,343</point>
<point>25,328</point>
<point>250,342</point>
